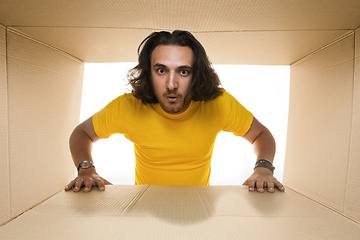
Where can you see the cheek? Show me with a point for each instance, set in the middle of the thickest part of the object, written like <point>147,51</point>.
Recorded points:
<point>157,90</point>
<point>157,86</point>
<point>188,85</point>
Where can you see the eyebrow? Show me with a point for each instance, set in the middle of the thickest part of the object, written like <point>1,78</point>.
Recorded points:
<point>159,65</point>
<point>180,67</point>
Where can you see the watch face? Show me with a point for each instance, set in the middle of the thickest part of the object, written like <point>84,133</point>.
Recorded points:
<point>85,164</point>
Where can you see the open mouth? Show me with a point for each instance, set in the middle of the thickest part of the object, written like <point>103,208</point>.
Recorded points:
<point>172,98</point>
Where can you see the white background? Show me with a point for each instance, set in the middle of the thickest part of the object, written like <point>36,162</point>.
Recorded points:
<point>264,90</point>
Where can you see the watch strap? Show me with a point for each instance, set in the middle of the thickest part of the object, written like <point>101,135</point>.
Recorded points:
<point>265,164</point>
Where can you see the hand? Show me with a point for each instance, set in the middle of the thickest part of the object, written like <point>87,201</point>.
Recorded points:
<point>87,178</point>
<point>261,178</point>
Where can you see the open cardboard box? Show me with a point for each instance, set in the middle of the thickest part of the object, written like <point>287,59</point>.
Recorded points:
<point>43,47</point>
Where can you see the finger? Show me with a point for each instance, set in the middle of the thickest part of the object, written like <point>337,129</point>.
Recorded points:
<point>70,185</point>
<point>270,186</point>
<point>100,183</point>
<point>279,186</point>
<point>88,184</point>
<point>246,182</point>
<point>79,183</point>
<point>260,186</point>
<point>251,185</point>
<point>106,181</point>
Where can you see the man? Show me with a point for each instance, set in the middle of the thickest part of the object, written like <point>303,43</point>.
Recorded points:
<point>173,115</point>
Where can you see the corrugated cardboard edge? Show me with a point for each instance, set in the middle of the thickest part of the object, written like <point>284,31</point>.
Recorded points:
<point>352,197</point>
<point>4,123</point>
<point>136,199</point>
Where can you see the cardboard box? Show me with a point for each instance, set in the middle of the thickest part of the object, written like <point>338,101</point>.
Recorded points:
<point>43,47</point>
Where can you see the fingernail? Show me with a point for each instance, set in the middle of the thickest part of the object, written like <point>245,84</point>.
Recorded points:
<point>251,189</point>
<point>102,188</point>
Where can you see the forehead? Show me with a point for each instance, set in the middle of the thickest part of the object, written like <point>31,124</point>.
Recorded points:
<point>170,55</point>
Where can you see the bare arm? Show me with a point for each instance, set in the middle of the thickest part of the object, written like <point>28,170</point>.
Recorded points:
<point>264,147</point>
<point>81,141</point>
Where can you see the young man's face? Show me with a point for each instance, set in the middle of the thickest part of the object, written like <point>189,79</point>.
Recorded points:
<point>171,73</point>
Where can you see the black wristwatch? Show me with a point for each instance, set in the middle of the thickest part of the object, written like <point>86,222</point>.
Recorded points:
<point>265,164</point>
<point>85,165</point>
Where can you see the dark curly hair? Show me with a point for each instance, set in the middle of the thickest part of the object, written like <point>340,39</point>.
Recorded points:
<point>205,82</point>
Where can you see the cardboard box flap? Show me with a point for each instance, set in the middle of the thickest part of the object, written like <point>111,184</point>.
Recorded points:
<point>180,212</point>
<point>114,201</point>
<point>251,32</point>
<point>43,94</point>
<point>254,47</point>
<point>319,124</point>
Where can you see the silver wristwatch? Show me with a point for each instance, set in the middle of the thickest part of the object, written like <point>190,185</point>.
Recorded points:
<point>85,165</point>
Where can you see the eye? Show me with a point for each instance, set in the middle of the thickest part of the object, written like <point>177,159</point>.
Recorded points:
<point>184,72</point>
<point>160,71</point>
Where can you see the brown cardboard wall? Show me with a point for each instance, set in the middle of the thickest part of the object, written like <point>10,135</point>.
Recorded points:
<point>352,200</point>
<point>4,161</point>
<point>44,94</point>
<point>320,123</point>
<point>294,43</point>
<point>232,32</point>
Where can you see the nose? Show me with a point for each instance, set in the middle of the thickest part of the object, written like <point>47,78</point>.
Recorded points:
<point>172,82</point>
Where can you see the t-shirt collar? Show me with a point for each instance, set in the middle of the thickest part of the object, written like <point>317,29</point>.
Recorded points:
<point>180,115</point>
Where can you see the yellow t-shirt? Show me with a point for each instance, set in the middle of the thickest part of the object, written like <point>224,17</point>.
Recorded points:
<point>172,149</point>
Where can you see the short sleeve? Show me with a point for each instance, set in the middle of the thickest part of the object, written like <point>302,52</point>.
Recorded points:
<point>235,117</point>
<point>110,119</point>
